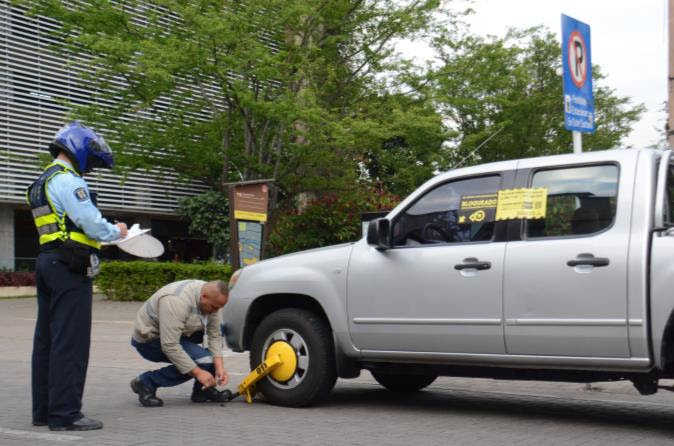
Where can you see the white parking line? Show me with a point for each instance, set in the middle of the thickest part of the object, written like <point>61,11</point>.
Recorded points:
<point>38,435</point>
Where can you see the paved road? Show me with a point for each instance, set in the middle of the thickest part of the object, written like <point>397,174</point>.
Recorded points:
<point>450,412</point>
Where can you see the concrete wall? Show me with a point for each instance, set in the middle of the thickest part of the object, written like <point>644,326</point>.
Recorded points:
<point>6,236</point>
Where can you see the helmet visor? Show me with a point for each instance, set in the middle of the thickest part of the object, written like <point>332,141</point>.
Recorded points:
<point>99,145</point>
<point>99,154</point>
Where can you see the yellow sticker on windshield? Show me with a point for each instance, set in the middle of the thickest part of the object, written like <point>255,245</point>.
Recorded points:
<point>521,203</point>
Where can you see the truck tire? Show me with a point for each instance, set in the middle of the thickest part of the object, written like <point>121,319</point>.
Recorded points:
<point>404,383</point>
<point>311,339</point>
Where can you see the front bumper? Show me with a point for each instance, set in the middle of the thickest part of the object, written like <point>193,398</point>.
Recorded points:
<point>234,320</point>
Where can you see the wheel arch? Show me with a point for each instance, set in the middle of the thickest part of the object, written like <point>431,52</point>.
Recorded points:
<point>667,348</point>
<point>269,303</point>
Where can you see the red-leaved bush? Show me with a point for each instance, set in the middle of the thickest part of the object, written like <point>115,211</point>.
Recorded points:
<point>8,278</point>
<point>326,220</point>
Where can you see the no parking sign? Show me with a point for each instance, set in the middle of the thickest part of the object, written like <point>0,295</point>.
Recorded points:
<point>577,65</point>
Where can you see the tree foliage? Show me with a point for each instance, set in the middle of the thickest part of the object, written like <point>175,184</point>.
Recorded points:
<point>402,143</point>
<point>208,216</point>
<point>325,221</point>
<point>226,90</point>
<point>510,90</point>
<point>314,95</point>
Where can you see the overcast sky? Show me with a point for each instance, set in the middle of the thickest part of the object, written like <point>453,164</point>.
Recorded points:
<point>629,43</point>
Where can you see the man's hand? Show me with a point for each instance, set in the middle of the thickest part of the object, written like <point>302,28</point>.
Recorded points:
<point>122,229</point>
<point>221,377</point>
<point>204,377</point>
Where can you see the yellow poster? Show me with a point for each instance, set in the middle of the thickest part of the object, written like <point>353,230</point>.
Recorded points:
<point>521,203</point>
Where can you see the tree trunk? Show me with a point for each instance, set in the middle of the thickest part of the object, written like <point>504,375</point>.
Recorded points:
<point>226,141</point>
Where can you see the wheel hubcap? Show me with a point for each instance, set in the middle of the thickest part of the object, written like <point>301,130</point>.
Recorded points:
<point>285,352</point>
<point>294,354</point>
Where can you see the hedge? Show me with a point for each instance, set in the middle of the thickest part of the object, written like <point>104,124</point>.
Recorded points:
<point>138,280</point>
<point>13,278</point>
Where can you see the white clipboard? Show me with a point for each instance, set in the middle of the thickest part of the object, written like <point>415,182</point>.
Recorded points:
<point>138,242</point>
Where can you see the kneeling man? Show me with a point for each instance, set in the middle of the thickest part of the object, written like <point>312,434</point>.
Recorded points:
<point>170,327</point>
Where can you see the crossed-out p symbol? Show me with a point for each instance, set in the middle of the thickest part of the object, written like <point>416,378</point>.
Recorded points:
<point>577,51</point>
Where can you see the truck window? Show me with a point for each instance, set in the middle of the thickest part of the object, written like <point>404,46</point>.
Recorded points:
<point>581,201</point>
<point>435,218</point>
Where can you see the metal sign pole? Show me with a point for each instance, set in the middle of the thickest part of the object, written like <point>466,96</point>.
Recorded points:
<point>670,119</point>
<point>577,142</point>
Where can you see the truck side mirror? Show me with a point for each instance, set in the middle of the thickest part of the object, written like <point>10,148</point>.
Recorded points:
<point>379,233</point>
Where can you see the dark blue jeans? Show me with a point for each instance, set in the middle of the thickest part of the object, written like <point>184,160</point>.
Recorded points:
<point>170,376</point>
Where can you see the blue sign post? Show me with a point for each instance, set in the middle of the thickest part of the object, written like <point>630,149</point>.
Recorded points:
<point>577,65</point>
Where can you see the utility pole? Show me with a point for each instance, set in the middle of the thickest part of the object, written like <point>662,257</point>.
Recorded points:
<point>670,80</point>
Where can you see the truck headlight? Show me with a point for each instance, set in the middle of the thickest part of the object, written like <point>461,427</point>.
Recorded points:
<point>233,279</point>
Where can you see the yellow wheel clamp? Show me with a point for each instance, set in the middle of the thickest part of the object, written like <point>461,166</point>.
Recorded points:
<point>280,361</point>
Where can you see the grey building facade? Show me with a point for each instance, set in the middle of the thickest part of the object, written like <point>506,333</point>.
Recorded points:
<point>35,86</point>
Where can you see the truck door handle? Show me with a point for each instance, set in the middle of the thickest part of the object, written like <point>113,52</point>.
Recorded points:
<point>472,263</point>
<point>588,259</point>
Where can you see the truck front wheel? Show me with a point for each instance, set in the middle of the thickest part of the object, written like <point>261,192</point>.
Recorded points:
<point>305,343</point>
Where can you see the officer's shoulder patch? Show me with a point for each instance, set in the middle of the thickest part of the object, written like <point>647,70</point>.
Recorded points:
<point>81,194</point>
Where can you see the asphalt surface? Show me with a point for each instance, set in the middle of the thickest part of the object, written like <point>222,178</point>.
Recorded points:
<point>450,412</point>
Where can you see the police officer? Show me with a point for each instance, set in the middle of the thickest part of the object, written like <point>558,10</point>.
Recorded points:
<point>70,229</point>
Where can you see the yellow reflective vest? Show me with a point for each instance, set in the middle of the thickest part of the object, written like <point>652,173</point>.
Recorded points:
<point>52,228</point>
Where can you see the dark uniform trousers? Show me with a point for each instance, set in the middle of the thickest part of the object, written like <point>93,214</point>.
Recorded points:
<point>61,342</point>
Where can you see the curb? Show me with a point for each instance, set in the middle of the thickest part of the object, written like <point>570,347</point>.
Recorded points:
<point>18,291</point>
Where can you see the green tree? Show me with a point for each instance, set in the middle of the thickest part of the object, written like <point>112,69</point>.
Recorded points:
<point>208,216</point>
<point>328,220</point>
<point>226,90</point>
<point>661,128</point>
<point>401,142</point>
<point>510,90</point>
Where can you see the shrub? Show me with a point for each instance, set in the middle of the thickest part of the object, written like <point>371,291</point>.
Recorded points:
<point>138,280</point>
<point>326,221</point>
<point>208,214</point>
<point>13,278</point>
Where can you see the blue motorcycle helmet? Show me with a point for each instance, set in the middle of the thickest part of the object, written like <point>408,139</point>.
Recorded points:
<point>86,149</point>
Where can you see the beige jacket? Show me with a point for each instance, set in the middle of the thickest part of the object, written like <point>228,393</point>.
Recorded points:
<point>172,312</point>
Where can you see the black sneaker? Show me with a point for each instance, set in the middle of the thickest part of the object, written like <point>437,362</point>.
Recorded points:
<point>83,424</point>
<point>146,396</point>
<point>210,395</point>
<point>39,422</point>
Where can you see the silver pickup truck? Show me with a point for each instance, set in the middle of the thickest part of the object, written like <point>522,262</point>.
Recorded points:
<point>556,268</point>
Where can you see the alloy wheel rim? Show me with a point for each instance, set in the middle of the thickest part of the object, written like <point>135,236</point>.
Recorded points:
<point>301,349</point>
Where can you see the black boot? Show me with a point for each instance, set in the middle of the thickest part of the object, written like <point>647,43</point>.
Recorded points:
<point>211,394</point>
<point>146,396</point>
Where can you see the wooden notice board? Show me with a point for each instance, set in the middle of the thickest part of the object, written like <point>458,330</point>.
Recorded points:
<point>248,213</point>
<point>251,201</point>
